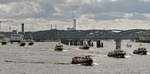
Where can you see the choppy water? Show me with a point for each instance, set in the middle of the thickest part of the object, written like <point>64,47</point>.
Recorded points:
<point>42,59</point>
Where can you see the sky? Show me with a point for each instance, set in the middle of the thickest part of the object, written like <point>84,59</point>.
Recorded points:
<point>90,14</point>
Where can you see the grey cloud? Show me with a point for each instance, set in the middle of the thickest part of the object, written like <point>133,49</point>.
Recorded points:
<point>113,10</point>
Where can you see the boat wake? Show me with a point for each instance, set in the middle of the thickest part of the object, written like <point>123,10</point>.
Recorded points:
<point>65,50</point>
<point>63,63</point>
<point>148,53</point>
<point>95,64</point>
<point>127,56</point>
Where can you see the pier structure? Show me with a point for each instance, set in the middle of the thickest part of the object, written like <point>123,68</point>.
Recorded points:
<point>81,42</point>
<point>118,44</point>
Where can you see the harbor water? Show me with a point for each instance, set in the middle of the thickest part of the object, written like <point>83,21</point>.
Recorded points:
<point>42,59</point>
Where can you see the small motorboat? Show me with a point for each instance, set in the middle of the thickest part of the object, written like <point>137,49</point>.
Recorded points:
<point>83,60</point>
<point>117,54</point>
<point>4,42</point>
<point>140,51</point>
<point>31,42</point>
<point>59,47</point>
<point>22,43</point>
<point>85,47</point>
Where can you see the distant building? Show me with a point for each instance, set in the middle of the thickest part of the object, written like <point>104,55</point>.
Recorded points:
<point>71,28</point>
<point>74,26</point>
<point>16,37</point>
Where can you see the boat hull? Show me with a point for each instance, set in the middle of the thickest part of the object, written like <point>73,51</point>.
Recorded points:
<point>30,43</point>
<point>22,44</point>
<point>58,49</point>
<point>4,43</point>
<point>84,48</point>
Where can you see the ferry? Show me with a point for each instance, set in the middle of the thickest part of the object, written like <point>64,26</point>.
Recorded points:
<point>15,37</point>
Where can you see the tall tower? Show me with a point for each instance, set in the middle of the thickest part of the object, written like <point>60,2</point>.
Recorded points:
<point>22,28</point>
<point>74,26</point>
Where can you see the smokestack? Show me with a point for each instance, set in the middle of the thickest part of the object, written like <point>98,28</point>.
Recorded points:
<point>74,23</point>
<point>23,28</point>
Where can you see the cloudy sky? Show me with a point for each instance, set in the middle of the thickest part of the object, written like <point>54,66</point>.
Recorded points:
<point>90,14</point>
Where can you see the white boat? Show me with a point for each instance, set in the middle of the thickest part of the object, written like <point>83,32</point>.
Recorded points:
<point>59,47</point>
<point>85,45</point>
<point>16,38</point>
